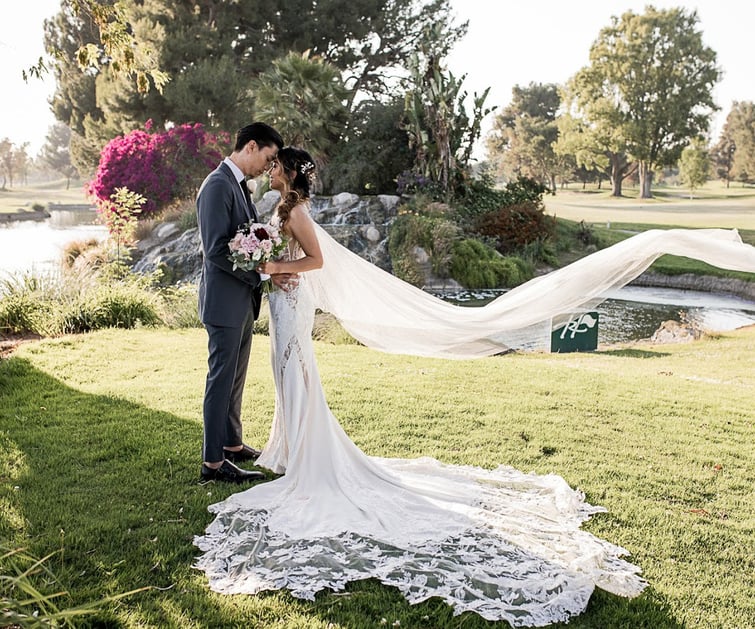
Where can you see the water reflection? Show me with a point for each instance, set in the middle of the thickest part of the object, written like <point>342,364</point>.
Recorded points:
<point>634,313</point>
<point>38,245</point>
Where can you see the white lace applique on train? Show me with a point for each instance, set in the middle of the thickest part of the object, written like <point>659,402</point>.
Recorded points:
<point>502,543</point>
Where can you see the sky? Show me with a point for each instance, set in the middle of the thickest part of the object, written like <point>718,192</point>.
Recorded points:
<point>509,42</point>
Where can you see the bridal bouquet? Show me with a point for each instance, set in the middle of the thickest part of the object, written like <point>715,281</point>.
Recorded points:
<point>254,244</point>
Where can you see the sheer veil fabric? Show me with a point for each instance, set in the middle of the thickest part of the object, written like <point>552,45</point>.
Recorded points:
<point>392,316</point>
<point>502,543</point>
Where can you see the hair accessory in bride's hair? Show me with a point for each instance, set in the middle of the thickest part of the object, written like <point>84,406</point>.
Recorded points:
<point>308,170</point>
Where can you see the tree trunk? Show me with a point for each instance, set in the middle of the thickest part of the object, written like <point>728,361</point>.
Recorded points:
<point>616,174</point>
<point>646,181</point>
<point>615,185</point>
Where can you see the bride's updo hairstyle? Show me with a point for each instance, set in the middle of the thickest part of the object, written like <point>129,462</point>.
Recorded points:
<point>300,167</point>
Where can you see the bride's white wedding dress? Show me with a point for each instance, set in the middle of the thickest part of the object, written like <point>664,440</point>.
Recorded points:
<point>502,543</point>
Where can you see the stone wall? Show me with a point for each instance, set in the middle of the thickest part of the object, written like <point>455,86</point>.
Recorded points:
<point>702,283</point>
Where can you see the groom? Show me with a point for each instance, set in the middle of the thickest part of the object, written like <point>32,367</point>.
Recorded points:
<point>229,301</point>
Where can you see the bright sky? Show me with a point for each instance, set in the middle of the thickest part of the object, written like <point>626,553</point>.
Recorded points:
<point>509,43</point>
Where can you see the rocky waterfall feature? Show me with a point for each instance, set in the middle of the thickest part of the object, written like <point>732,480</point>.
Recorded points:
<point>359,223</point>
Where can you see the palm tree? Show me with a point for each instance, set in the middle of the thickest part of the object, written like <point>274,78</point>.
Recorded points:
<point>305,99</point>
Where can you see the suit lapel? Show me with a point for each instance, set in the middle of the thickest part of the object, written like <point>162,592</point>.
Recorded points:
<point>245,199</point>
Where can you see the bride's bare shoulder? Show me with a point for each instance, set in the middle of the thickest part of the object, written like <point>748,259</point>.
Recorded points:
<point>301,210</point>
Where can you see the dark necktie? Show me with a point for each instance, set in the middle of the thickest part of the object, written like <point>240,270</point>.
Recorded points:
<point>247,195</point>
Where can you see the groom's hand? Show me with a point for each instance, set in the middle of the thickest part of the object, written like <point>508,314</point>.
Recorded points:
<point>285,281</point>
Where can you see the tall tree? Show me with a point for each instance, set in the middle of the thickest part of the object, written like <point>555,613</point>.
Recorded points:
<point>652,77</point>
<point>57,152</point>
<point>14,162</point>
<point>305,99</point>
<point>594,138</point>
<point>372,152</point>
<point>212,49</point>
<point>110,43</point>
<point>22,162</point>
<point>523,136</point>
<point>694,165</point>
<point>722,156</point>
<point>6,162</point>
<point>740,128</point>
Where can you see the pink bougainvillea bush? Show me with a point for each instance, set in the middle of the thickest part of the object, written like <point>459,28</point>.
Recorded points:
<point>162,166</point>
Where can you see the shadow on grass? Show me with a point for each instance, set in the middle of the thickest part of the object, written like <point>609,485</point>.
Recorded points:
<point>632,353</point>
<point>111,487</point>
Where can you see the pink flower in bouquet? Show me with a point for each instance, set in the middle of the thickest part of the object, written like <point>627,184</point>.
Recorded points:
<point>254,244</point>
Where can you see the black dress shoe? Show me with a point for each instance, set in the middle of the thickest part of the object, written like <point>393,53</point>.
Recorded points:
<point>229,473</point>
<point>247,453</point>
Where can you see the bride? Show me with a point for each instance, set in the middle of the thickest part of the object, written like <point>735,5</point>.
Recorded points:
<point>504,544</point>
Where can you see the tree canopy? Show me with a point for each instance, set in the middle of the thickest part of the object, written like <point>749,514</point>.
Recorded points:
<point>649,84</point>
<point>212,50</point>
<point>524,134</point>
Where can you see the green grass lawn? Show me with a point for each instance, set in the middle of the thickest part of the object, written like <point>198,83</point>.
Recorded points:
<point>100,439</point>
<point>713,205</point>
<point>23,198</point>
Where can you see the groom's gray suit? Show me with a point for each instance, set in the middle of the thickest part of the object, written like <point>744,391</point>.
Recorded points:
<point>229,302</point>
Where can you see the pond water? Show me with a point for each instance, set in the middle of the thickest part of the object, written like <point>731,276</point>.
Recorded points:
<point>633,313</point>
<point>38,245</point>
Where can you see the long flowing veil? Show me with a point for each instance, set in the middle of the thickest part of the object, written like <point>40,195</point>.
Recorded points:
<point>390,315</point>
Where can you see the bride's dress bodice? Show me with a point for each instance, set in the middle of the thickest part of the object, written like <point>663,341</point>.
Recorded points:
<point>502,543</point>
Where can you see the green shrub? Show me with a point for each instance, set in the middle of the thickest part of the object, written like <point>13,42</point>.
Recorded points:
<point>328,329</point>
<point>434,234</point>
<point>540,250</point>
<point>78,301</point>
<point>123,306</point>
<point>21,313</point>
<point>475,265</point>
<point>479,196</point>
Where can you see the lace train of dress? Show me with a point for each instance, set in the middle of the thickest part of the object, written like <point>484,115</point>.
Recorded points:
<point>502,543</point>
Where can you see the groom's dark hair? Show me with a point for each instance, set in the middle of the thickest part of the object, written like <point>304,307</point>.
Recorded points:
<point>263,134</point>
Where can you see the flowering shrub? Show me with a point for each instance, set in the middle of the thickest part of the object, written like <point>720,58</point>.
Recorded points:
<point>515,226</point>
<point>161,167</point>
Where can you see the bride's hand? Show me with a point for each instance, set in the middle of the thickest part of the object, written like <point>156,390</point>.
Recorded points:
<point>267,267</point>
<point>285,281</point>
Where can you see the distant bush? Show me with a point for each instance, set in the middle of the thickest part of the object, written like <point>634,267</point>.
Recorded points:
<point>475,265</point>
<point>75,249</point>
<point>515,226</point>
<point>434,234</point>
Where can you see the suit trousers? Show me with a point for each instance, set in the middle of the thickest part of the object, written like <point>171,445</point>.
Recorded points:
<point>229,349</point>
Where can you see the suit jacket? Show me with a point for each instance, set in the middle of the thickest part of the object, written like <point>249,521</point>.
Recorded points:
<point>225,295</point>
